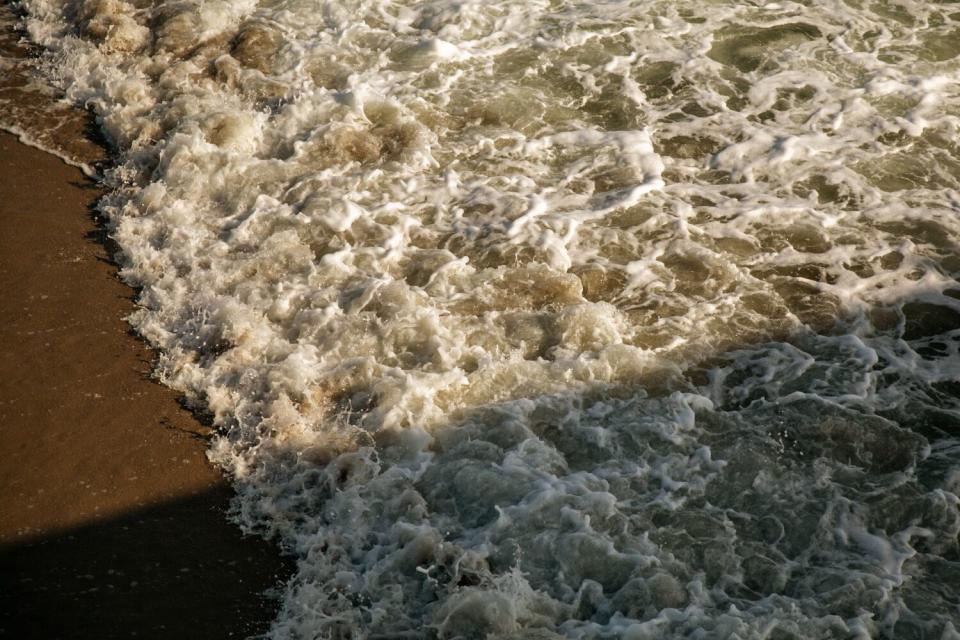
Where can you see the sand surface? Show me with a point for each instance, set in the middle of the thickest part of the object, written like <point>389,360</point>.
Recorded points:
<point>111,519</point>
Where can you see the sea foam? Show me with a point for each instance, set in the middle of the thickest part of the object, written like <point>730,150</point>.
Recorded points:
<point>554,319</point>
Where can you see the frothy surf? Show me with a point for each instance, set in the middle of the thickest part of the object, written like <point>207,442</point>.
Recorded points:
<point>555,319</point>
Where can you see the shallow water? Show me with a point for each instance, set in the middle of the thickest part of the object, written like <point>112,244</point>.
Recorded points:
<point>31,108</point>
<point>555,319</point>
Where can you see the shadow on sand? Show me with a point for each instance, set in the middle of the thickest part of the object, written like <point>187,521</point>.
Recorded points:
<point>174,570</point>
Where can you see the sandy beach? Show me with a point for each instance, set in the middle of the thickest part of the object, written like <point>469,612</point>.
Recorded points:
<point>112,521</point>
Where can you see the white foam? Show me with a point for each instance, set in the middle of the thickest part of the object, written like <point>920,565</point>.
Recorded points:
<point>580,320</point>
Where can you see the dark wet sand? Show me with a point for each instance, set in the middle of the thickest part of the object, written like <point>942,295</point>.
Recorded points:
<point>111,519</point>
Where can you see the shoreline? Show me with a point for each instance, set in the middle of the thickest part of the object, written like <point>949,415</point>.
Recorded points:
<point>112,520</point>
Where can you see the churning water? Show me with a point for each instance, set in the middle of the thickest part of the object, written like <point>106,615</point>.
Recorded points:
<point>555,319</point>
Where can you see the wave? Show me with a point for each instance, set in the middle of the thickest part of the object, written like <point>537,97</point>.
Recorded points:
<point>554,319</point>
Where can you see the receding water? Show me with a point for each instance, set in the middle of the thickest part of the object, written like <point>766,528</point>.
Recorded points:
<point>626,319</point>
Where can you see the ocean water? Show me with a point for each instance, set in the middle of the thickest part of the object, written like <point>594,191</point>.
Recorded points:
<point>32,108</point>
<point>555,319</point>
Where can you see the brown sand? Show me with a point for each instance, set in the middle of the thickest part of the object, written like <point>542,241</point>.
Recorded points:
<point>111,518</point>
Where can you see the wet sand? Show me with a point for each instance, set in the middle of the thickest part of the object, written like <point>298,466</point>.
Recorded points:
<point>111,519</point>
